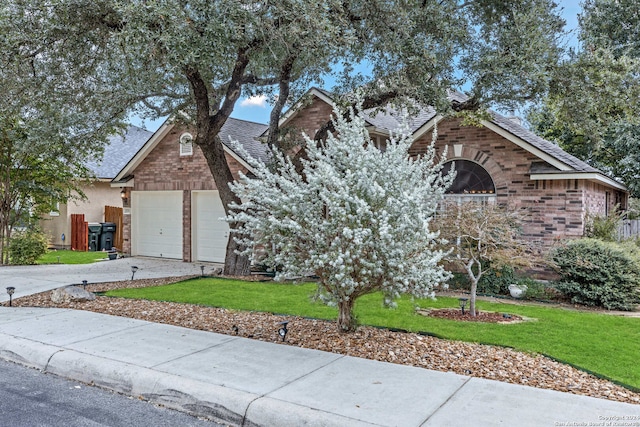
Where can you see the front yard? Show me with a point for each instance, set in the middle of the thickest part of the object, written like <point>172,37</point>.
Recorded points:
<point>605,345</point>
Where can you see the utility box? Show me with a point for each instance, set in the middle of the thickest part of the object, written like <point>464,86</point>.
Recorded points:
<point>94,230</point>
<point>107,235</point>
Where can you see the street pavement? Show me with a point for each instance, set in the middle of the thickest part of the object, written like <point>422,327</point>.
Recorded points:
<point>254,383</point>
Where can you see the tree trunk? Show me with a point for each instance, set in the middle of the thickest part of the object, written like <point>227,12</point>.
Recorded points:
<point>346,320</point>
<point>234,264</point>
<point>209,141</point>
<point>472,299</point>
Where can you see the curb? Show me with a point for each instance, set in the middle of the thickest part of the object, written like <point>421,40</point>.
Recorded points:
<point>217,403</point>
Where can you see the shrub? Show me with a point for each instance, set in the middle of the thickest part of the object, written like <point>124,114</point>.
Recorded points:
<point>598,273</point>
<point>535,289</point>
<point>458,282</point>
<point>603,227</point>
<point>496,281</point>
<point>26,247</point>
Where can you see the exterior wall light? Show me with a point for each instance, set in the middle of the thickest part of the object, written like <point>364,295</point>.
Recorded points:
<point>123,196</point>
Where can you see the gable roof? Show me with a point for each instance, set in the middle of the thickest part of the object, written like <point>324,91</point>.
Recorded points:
<point>117,152</point>
<point>563,165</point>
<point>243,131</point>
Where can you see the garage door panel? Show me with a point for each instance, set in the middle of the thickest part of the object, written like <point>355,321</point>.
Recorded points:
<point>210,233</point>
<point>157,224</point>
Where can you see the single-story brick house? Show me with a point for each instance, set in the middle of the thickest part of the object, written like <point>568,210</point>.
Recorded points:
<point>174,204</point>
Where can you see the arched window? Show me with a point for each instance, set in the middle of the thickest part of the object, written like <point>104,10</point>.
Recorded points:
<point>472,181</point>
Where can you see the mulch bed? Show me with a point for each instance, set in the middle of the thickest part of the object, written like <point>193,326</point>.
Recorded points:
<point>481,316</point>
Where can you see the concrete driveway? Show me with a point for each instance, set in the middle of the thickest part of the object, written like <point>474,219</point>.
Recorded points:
<point>32,279</point>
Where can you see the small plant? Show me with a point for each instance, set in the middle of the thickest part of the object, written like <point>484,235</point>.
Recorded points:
<point>535,289</point>
<point>603,227</point>
<point>482,238</point>
<point>599,273</point>
<point>27,246</point>
<point>496,281</point>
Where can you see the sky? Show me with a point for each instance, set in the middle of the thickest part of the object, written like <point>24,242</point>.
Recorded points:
<point>257,109</point>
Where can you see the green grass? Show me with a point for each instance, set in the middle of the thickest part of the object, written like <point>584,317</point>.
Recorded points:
<point>71,257</point>
<point>605,345</point>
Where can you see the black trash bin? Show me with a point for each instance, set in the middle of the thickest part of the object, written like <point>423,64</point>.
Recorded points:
<point>95,229</point>
<point>107,235</point>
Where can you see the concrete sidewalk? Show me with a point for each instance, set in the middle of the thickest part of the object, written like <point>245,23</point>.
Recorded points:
<point>253,383</point>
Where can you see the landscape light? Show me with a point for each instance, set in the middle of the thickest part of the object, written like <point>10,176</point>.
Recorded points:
<point>133,271</point>
<point>202,270</point>
<point>84,285</point>
<point>10,291</point>
<point>283,330</point>
<point>463,302</point>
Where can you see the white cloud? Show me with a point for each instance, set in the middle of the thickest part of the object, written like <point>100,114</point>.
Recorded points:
<point>255,101</point>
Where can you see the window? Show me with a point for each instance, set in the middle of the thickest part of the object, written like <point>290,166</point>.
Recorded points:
<point>472,182</point>
<point>186,144</point>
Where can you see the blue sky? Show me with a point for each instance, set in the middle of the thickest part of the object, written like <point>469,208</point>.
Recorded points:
<point>257,110</point>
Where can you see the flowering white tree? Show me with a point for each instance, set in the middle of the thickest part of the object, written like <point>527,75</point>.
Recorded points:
<point>357,217</point>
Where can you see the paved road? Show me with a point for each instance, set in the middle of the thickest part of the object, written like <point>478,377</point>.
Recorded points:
<point>31,398</point>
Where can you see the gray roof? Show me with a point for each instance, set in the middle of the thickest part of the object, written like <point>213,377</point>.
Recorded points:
<point>388,120</point>
<point>246,133</point>
<point>118,151</point>
<point>542,144</point>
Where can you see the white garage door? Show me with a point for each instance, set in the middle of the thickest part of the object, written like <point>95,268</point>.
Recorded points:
<point>156,223</point>
<point>210,234</point>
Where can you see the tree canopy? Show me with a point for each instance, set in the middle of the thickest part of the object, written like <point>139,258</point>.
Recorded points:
<point>357,217</point>
<point>85,65</point>
<point>593,108</point>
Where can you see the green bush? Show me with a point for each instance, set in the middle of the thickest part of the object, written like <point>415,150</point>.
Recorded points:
<point>26,247</point>
<point>458,282</point>
<point>598,273</point>
<point>496,282</point>
<point>603,227</point>
<point>535,289</point>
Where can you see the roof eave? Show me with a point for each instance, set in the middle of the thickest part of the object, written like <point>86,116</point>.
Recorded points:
<point>527,146</point>
<point>239,159</point>
<point>295,109</point>
<point>427,126</point>
<point>144,151</point>
<point>589,176</point>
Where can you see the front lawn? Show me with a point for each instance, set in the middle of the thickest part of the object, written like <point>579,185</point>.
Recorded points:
<point>605,345</point>
<point>71,257</point>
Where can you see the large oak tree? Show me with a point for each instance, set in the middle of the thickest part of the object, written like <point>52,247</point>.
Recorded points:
<point>104,59</point>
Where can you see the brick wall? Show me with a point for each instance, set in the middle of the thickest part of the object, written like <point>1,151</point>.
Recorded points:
<point>556,208</point>
<point>164,169</point>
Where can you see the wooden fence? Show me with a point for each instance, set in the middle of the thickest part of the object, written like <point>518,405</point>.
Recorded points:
<point>114,214</point>
<point>79,233</point>
<point>629,228</point>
